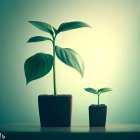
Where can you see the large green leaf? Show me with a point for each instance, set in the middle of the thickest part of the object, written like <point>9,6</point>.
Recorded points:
<point>43,26</point>
<point>70,58</point>
<point>91,90</point>
<point>37,66</point>
<point>71,25</point>
<point>102,90</point>
<point>38,39</point>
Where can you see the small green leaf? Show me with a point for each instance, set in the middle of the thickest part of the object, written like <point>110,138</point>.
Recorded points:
<point>71,25</point>
<point>37,66</point>
<point>43,26</point>
<point>102,90</point>
<point>91,90</point>
<point>38,39</point>
<point>70,58</point>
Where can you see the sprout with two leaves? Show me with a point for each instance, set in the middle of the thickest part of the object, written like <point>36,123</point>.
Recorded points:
<point>98,92</point>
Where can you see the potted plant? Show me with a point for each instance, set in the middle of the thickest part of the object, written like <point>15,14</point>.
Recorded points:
<point>97,113</point>
<point>54,110</point>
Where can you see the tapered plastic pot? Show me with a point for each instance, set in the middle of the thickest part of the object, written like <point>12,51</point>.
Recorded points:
<point>55,111</point>
<point>97,115</point>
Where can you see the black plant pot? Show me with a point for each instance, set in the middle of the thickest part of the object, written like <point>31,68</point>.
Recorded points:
<point>97,115</point>
<point>55,111</point>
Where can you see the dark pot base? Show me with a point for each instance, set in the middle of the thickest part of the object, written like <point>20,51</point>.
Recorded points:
<point>55,111</point>
<point>97,115</point>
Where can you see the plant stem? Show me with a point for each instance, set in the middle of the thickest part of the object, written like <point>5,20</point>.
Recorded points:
<point>98,99</point>
<point>54,74</point>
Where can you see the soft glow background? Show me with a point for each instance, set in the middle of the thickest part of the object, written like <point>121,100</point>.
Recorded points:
<point>111,52</point>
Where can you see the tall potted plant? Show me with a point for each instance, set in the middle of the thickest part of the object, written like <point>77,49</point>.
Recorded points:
<point>97,113</point>
<point>54,110</point>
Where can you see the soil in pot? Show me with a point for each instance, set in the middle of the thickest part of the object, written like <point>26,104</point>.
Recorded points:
<point>97,115</point>
<point>55,111</point>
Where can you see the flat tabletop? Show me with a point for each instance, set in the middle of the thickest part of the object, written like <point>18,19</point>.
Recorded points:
<point>27,131</point>
<point>27,127</point>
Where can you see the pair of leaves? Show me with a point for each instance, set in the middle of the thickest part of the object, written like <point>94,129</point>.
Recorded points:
<point>52,31</point>
<point>94,91</point>
<point>40,64</point>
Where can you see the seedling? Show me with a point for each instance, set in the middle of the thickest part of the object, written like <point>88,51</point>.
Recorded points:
<point>40,64</point>
<point>98,92</point>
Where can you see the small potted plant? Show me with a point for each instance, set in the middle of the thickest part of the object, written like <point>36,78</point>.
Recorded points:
<point>54,110</point>
<point>97,113</point>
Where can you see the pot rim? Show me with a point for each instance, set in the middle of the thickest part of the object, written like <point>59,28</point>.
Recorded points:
<point>95,105</point>
<point>60,95</point>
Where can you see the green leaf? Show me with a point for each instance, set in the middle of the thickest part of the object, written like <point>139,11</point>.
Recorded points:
<point>71,25</point>
<point>43,26</point>
<point>37,66</point>
<point>70,58</point>
<point>91,90</point>
<point>38,39</point>
<point>102,90</point>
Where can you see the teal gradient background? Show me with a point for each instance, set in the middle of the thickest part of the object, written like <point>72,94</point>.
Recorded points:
<point>110,49</point>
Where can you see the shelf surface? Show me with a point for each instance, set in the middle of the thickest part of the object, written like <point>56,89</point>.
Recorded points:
<point>27,131</point>
<point>25,127</point>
